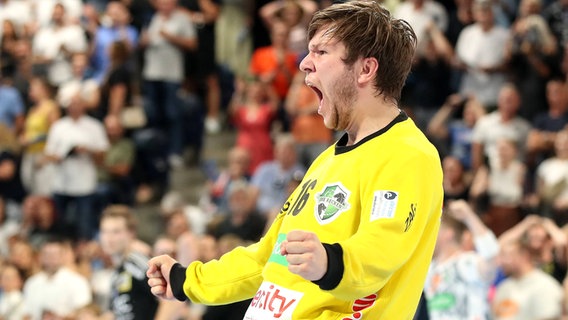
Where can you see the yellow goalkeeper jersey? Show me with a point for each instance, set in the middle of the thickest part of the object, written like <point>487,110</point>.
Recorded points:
<point>375,205</point>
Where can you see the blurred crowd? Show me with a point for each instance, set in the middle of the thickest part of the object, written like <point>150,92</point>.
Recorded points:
<point>102,101</point>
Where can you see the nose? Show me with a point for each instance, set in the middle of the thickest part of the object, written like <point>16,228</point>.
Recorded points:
<point>306,64</point>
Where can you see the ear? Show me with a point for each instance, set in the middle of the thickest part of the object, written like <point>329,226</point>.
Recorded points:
<point>369,69</point>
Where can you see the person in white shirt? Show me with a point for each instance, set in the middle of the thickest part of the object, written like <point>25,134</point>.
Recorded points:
<point>528,293</point>
<point>504,123</point>
<point>76,144</point>
<point>420,13</point>
<point>56,289</point>
<point>11,299</point>
<point>458,280</point>
<point>54,44</point>
<point>480,52</point>
<point>43,9</point>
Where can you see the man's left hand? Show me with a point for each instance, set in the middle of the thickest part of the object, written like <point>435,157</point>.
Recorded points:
<point>305,254</point>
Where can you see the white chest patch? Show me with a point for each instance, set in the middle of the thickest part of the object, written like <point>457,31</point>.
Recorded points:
<point>384,204</point>
<point>273,302</point>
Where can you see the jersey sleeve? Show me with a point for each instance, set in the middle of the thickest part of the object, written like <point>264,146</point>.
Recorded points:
<point>398,203</point>
<point>236,276</point>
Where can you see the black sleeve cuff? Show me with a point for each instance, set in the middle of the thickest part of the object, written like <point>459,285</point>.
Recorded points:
<point>335,267</point>
<point>177,279</point>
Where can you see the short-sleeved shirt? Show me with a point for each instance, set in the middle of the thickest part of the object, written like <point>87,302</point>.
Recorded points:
<point>62,293</point>
<point>272,182</point>
<point>536,295</point>
<point>164,61</point>
<point>76,174</point>
<point>489,129</point>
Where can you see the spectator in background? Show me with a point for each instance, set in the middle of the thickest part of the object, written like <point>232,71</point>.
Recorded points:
<point>170,309</point>
<point>11,105</point>
<point>458,18</point>
<point>197,216</point>
<point>23,72</point>
<point>458,280</point>
<point>116,87</point>
<point>276,64</point>
<point>420,14</point>
<point>8,229</point>
<point>43,10</point>
<point>428,83</point>
<point>296,14</point>
<point>178,228</point>
<point>502,123</point>
<point>243,219</point>
<point>115,184</point>
<point>555,16</point>
<point>54,44</point>
<point>269,183</point>
<point>169,35</point>
<point>501,183</point>
<point>19,12</point>
<point>201,68</point>
<point>39,119</point>
<point>116,27</point>
<point>546,242</point>
<point>483,69</point>
<point>252,110</point>
<point>527,292</point>
<point>11,187</point>
<point>24,257</point>
<point>56,290</point>
<point>532,55</point>
<point>9,37</point>
<point>219,183</point>
<point>12,300</point>
<point>131,297</point>
<point>233,37</point>
<point>551,199</point>
<point>76,143</point>
<point>40,221</point>
<point>546,124</point>
<point>451,128</point>
<point>310,133</point>
<point>82,85</point>
<point>457,182</point>
<point>90,312</point>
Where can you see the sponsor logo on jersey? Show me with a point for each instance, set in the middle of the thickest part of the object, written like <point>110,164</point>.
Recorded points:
<point>361,304</point>
<point>273,302</point>
<point>384,204</point>
<point>410,218</point>
<point>276,256</point>
<point>331,202</point>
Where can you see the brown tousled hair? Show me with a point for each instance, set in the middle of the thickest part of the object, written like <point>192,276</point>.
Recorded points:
<point>368,30</point>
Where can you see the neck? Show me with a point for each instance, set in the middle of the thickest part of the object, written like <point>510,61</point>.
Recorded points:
<point>486,26</point>
<point>371,120</point>
<point>523,270</point>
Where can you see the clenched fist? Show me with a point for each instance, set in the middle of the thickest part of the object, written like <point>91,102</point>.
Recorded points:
<point>305,254</point>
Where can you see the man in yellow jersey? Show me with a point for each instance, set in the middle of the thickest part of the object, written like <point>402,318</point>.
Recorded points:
<point>355,239</point>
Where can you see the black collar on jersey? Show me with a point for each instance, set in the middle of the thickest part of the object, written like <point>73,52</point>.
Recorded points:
<point>341,147</point>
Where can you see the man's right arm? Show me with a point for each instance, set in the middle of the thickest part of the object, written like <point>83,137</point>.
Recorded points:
<point>236,276</point>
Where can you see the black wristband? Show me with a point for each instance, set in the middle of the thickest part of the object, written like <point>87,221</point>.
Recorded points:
<point>177,279</point>
<point>335,267</point>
